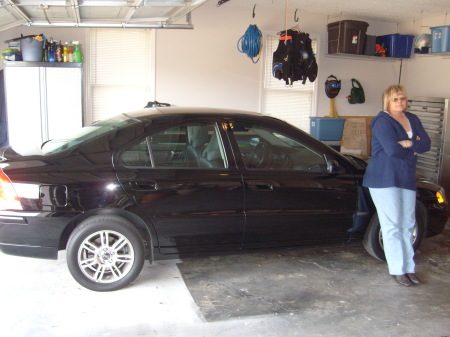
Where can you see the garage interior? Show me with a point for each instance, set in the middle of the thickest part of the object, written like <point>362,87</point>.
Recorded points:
<point>311,291</point>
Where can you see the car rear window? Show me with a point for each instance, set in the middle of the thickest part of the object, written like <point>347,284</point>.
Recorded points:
<point>87,133</point>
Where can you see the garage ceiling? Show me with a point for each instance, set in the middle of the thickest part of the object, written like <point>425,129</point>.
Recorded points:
<point>97,13</point>
<point>168,13</point>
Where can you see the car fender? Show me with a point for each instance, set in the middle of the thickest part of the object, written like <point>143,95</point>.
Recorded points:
<point>146,232</point>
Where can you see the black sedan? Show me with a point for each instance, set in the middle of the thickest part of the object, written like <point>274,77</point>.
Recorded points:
<point>173,181</point>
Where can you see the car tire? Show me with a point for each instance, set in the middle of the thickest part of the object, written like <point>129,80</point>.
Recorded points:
<point>373,239</point>
<point>105,253</point>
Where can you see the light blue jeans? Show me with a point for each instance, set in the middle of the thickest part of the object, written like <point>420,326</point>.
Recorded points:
<point>396,212</point>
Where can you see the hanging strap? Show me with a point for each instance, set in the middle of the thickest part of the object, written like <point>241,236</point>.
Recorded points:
<point>359,84</point>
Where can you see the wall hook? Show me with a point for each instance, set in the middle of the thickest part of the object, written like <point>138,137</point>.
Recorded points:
<point>295,16</point>
<point>254,11</point>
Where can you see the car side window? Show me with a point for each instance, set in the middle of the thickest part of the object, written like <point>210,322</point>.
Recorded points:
<point>184,146</point>
<point>265,148</point>
<point>137,155</point>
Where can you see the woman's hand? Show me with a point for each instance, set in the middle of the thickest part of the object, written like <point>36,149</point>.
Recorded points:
<point>406,143</point>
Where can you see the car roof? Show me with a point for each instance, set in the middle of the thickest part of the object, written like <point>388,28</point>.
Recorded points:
<point>146,113</point>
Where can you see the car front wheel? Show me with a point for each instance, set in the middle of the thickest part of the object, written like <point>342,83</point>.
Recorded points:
<point>373,238</point>
<point>105,253</point>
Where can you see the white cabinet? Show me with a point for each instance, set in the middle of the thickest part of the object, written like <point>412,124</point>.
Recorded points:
<point>44,101</point>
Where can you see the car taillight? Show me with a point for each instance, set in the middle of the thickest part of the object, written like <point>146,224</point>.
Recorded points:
<point>8,196</point>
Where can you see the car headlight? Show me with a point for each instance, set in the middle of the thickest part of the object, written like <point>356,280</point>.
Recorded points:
<point>440,195</point>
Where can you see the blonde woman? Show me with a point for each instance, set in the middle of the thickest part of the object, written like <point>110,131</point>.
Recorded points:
<point>397,137</point>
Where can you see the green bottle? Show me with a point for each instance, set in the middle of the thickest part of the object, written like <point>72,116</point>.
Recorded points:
<point>77,57</point>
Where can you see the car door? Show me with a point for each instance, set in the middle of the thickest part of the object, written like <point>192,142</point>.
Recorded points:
<point>290,195</point>
<point>187,185</point>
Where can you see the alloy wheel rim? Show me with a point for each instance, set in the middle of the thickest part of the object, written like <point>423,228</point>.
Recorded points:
<point>105,256</point>
<point>413,239</point>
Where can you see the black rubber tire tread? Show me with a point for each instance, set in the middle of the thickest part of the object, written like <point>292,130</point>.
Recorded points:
<point>372,244</point>
<point>99,223</point>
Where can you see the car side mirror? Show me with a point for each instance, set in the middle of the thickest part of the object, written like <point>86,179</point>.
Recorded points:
<point>332,165</point>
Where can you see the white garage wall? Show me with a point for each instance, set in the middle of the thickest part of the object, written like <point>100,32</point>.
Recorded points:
<point>202,67</point>
<point>220,76</point>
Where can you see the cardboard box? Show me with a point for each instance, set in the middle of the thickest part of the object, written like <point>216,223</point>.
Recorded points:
<point>357,136</point>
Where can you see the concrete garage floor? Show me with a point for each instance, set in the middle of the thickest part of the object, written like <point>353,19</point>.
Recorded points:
<point>320,291</point>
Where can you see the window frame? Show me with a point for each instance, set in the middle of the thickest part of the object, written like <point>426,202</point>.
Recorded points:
<point>276,132</point>
<point>147,140</point>
<point>89,70</point>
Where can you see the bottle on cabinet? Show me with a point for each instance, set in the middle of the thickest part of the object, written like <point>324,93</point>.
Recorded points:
<point>51,51</point>
<point>59,52</point>
<point>66,52</point>
<point>77,55</point>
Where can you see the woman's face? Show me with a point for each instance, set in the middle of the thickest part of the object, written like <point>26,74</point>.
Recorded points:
<point>397,103</point>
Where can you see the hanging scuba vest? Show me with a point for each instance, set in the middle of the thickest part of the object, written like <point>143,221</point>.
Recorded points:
<point>294,59</point>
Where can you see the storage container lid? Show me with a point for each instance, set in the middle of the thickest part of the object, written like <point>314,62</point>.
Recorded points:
<point>348,22</point>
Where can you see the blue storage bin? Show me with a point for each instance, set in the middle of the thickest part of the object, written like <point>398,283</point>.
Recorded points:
<point>396,45</point>
<point>32,49</point>
<point>326,128</point>
<point>440,39</point>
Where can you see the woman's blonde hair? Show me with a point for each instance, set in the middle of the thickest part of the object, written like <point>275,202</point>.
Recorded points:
<point>391,91</point>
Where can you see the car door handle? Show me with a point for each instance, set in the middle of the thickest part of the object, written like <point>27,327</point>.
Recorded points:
<point>144,185</point>
<point>261,185</point>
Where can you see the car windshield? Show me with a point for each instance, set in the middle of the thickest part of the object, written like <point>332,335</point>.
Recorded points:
<point>86,133</point>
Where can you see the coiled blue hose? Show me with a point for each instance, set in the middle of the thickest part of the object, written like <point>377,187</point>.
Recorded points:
<point>251,43</point>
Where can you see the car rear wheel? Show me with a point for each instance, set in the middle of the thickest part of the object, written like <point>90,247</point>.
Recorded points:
<point>105,253</point>
<point>373,239</point>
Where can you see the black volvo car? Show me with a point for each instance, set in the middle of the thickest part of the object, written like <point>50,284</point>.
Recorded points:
<point>164,182</point>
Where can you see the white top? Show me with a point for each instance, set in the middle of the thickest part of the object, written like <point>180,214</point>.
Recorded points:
<point>410,133</point>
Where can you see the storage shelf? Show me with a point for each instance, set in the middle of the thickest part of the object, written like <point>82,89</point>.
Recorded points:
<point>366,57</point>
<point>445,55</point>
<point>43,64</point>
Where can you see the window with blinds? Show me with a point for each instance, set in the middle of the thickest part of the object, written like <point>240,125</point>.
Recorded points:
<point>121,70</point>
<point>292,104</point>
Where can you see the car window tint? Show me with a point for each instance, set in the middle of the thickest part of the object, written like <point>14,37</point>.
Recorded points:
<point>266,148</point>
<point>137,155</point>
<point>188,146</point>
<point>86,134</point>
<point>169,147</point>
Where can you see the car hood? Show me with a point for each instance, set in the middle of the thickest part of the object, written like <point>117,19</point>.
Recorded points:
<point>426,183</point>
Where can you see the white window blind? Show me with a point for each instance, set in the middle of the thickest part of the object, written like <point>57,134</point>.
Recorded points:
<point>292,104</point>
<point>121,70</point>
